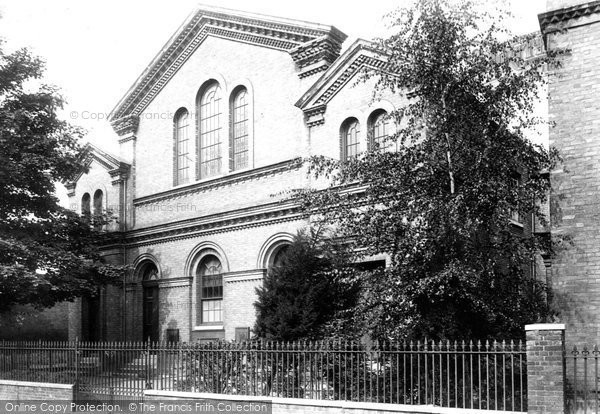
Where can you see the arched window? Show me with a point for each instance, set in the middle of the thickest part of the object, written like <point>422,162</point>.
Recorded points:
<point>350,134</point>
<point>98,209</point>
<point>380,125</point>
<point>239,142</point>
<point>181,147</point>
<point>277,259</point>
<point>85,205</point>
<point>150,273</point>
<point>210,131</point>
<point>210,279</point>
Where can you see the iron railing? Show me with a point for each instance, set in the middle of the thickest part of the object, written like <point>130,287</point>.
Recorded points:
<point>478,375</point>
<point>582,384</point>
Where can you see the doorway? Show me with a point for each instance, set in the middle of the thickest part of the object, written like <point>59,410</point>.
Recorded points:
<point>151,313</point>
<point>150,307</point>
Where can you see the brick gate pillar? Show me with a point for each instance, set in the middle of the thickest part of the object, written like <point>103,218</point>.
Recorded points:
<point>545,368</point>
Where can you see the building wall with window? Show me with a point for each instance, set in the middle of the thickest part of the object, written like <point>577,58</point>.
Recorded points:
<point>211,137</point>
<point>221,66</point>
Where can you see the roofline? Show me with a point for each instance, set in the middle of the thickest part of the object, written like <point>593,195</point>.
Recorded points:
<point>212,10</point>
<point>266,17</point>
<point>359,44</point>
<point>154,60</point>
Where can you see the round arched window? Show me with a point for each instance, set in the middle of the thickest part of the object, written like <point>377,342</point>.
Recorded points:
<point>210,289</point>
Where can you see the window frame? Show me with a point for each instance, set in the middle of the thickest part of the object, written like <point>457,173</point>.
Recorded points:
<point>98,207</point>
<point>210,127</point>
<point>217,298</point>
<point>345,129</point>
<point>178,154</point>
<point>374,125</point>
<point>234,137</point>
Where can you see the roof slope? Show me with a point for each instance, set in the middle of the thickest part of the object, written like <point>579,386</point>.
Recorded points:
<point>313,47</point>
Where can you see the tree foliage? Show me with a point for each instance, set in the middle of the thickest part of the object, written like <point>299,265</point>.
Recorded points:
<point>303,295</point>
<point>440,194</point>
<point>47,253</point>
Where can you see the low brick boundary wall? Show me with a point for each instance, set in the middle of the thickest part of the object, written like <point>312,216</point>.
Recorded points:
<point>296,405</point>
<point>24,390</point>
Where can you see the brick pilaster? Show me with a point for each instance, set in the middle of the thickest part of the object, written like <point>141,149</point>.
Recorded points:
<point>545,368</point>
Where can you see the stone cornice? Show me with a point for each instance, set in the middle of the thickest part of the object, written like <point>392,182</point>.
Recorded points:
<point>119,174</point>
<point>175,282</point>
<point>70,186</point>
<point>560,19</point>
<point>281,34</point>
<point>360,56</point>
<point>244,276</point>
<point>126,126</point>
<point>240,219</point>
<point>212,224</point>
<point>117,169</point>
<point>315,115</point>
<point>211,184</point>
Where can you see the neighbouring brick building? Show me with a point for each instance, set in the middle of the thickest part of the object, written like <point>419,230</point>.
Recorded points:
<point>211,135</point>
<point>574,108</point>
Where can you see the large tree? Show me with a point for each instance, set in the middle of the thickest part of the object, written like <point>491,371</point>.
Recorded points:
<point>440,195</point>
<point>304,294</point>
<point>47,253</point>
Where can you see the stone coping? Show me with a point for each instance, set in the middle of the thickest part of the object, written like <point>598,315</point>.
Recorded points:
<point>36,384</point>
<point>545,327</point>
<point>367,406</point>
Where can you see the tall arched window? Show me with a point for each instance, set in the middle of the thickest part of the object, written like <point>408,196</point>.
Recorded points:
<point>350,134</point>
<point>181,147</point>
<point>98,209</point>
<point>380,125</point>
<point>239,142</point>
<point>210,279</point>
<point>210,131</point>
<point>85,205</point>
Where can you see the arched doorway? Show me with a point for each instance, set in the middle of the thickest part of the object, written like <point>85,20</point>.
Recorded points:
<point>150,302</point>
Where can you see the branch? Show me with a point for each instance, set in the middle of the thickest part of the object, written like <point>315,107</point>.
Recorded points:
<point>448,148</point>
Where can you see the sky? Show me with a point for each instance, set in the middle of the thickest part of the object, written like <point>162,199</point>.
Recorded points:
<point>94,51</point>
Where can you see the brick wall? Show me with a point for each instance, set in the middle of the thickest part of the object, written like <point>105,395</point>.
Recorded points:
<point>273,84</point>
<point>574,107</point>
<point>22,391</point>
<point>290,405</point>
<point>545,368</point>
<point>239,251</point>
<point>28,323</point>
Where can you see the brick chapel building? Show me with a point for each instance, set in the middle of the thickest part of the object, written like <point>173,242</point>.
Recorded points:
<point>212,133</point>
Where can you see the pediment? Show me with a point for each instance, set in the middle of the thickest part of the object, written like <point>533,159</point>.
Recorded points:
<point>361,55</point>
<point>117,169</point>
<point>313,48</point>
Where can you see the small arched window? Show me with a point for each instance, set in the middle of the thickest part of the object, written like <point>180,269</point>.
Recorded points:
<point>150,273</point>
<point>380,125</point>
<point>210,279</point>
<point>210,132</point>
<point>181,147</point>
<point>239,142</point>
<point>85,206</point>
<point>98,209</point>
<point>350,134</point>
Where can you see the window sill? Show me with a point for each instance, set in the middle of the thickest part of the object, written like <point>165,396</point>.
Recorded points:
<point>516,223</point>
<point>208,328</point>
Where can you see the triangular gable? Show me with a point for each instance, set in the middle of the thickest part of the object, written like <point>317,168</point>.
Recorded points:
<point>361,55</point>
<point>313,47</point>
<point>117,169</point>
